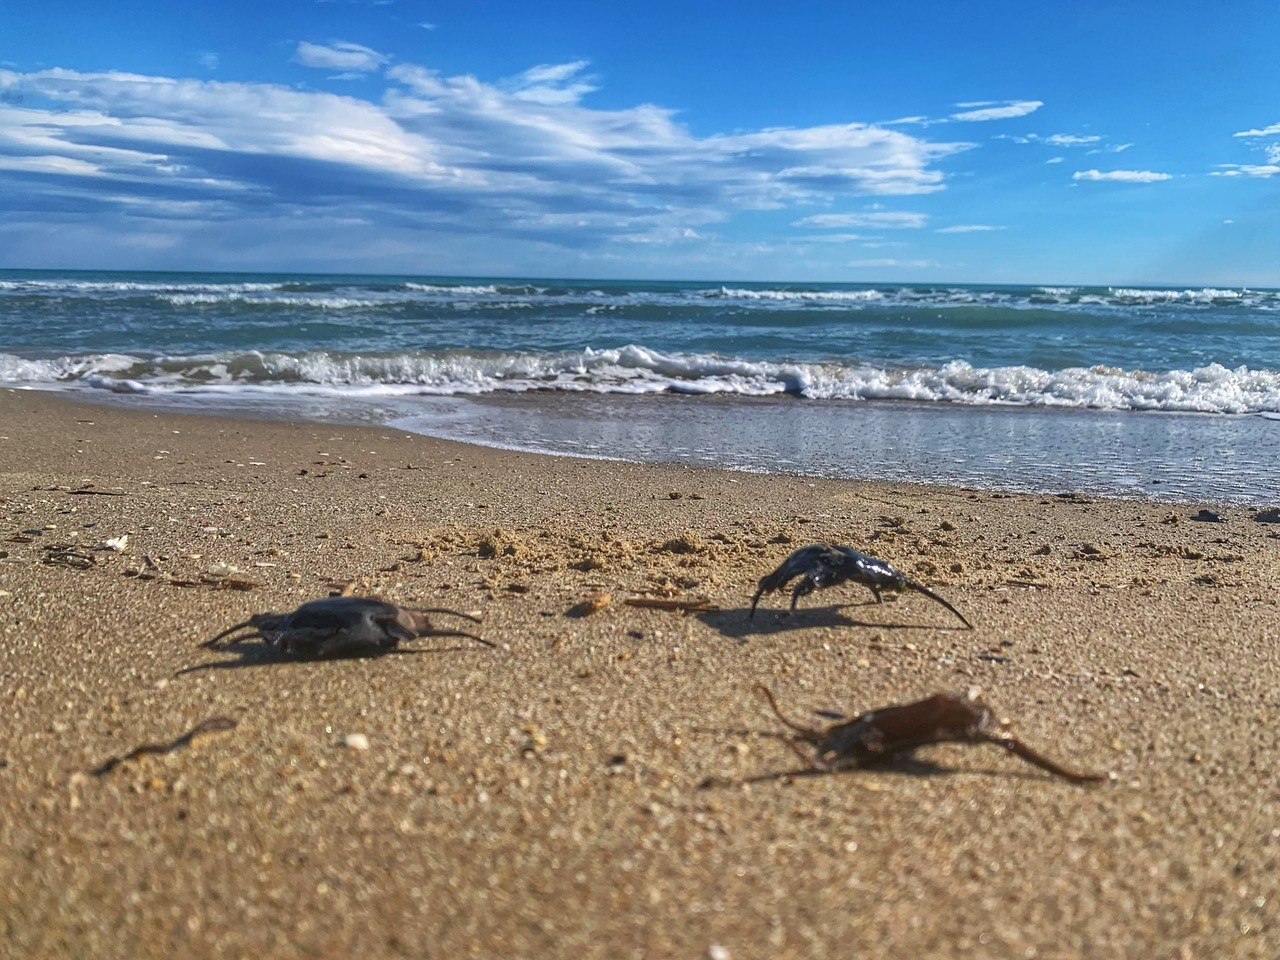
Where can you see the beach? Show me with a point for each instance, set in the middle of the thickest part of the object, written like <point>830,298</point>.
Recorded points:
<point>547,798</point>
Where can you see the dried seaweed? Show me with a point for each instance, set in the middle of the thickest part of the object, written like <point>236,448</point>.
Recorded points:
<point>212,725</point>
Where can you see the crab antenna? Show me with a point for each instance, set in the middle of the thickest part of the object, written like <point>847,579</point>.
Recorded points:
<point>808,732</point>
<point>933,596</point>
<point>212,644</point>
<point>461,633</point>
<point>452,613</point>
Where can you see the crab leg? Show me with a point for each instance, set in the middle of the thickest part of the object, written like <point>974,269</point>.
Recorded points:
<point>213,644</point>
<point>920,588</point>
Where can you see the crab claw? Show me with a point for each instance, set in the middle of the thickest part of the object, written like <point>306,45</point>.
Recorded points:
<point>806,561</point>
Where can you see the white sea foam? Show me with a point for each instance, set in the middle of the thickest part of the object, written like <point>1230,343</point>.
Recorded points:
<point>317,303</point>
<point>801,296</point>
<point>640,370</point>
<point>460,289</point>
<point>1208,295</point>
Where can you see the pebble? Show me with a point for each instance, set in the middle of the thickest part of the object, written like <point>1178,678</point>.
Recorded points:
<point>355,741</point>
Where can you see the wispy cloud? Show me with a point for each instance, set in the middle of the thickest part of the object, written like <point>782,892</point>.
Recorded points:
<point>1122,176</point>
<point>968,228</point>
<point>208,60</point>
<point>881,218</point>
<point>522,159</point>
<point>339,55</point>
<point>832,238</point>
<point>552,83</point>
<point>995,110</point>
<point>1068,140</point>
<point>1271,131</point>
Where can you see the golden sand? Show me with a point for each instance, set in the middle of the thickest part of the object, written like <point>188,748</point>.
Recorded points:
<point>542,800</point>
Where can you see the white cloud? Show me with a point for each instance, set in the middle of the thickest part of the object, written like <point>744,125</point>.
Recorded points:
<point>1271,131</point>
<point>1122,176</point>
<point>891,262</point>
<point>1055,160</point>
<point>1070,140</point>
<point>996,110</point>
<point>1246,170</point>
<point>208,60</point>
<point>522,160</point>
<point>339,55</point>
<point>883,220</point>
<point>968,228</point>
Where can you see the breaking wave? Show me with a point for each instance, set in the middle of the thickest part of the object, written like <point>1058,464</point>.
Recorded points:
<point>641,370</point>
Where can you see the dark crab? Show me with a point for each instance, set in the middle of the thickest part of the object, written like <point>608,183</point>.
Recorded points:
<point>340,627</point>
<point>878,735</point>
<point>826,565</point>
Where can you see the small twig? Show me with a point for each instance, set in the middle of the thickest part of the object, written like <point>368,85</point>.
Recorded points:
<point>701,604</point>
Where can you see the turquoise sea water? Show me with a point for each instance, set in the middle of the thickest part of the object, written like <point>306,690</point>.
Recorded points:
<point>1149,391</point>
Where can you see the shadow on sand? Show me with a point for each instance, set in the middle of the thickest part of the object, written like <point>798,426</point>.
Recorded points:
<point>737,625</point>
<point>902,764</point>
<point>249,655</point>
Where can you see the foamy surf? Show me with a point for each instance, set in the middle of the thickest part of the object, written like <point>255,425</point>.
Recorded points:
<point>636,369</point>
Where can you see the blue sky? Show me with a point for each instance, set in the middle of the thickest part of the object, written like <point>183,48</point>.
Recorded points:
<point>914,141</point>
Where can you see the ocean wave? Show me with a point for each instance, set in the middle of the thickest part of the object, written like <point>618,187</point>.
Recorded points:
<point>1044,296</point>
<point>640,370</point>
<point>348,292</point>
<point>446,288</point>
<point>794,296</point>
<point>132,286</point>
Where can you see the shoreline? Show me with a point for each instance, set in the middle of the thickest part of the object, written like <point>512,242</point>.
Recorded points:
<point>1188,458</point>
<point>543,799</point>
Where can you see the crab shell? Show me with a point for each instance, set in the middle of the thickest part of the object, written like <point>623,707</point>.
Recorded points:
<point>942,718</point>
<point>342,626</point>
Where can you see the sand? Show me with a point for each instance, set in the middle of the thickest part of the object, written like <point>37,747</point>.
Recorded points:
<point>543,799</point>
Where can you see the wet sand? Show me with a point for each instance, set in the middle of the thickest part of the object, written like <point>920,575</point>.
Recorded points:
<point>544,799</point>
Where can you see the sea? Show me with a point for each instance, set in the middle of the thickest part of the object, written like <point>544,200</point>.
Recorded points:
<point>1166,393</point>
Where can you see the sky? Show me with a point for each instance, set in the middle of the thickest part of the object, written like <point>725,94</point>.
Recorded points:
<point>988,142</point>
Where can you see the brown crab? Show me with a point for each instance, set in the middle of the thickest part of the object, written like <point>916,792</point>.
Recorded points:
<point>878,735</point>
<point>340,627</point>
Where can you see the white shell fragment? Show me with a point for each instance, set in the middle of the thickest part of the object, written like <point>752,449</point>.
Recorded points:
<point>355,741</point>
